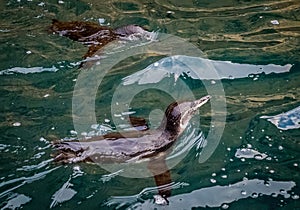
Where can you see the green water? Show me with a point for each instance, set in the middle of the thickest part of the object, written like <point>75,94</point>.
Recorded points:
<point>228,30</point>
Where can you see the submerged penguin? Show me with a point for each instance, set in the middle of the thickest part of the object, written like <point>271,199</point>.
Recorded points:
<point>133,146</point>
<point>96,36</point>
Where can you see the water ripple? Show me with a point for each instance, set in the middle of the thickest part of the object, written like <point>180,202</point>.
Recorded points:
<point>24,180</point>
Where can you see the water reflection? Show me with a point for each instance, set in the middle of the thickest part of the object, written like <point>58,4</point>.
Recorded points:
<point>287,120</point>
<point>16,201</point>
<point>249,153</point>
<point>66,192</point>
<point>217,196</point>
<point>177,65</point>
<point>22,70</point>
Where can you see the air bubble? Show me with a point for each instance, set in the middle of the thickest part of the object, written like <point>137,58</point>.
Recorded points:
<point>282,191</point>
<point>225,206</point>
<point>170,12</point>
<point>275,22</point>
<point>72,132</point>
<point>213,181</point>
<point>101,21</point>
<point>17,124</point>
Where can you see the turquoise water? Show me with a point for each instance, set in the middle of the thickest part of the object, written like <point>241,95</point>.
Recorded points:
<point>256,163</point>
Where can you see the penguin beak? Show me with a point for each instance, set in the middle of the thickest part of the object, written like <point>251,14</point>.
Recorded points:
<point>200,102</point>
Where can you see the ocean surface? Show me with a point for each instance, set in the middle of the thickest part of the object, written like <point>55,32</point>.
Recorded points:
<point>240,151</point>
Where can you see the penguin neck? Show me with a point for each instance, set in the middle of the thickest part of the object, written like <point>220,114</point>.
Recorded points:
<point>170,129</point>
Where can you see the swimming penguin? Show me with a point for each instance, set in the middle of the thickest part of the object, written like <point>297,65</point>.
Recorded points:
<point>94,35</point>
<point>132,146</point>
